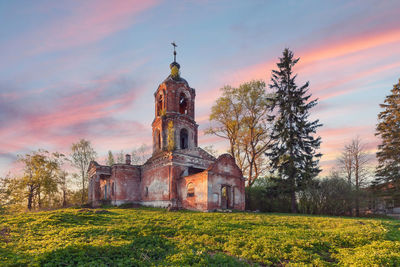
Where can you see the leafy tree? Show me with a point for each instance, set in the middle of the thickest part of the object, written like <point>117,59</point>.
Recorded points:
<point>12,194</point>
<point>110,158</point>
<point>39,178</point>
<point>82,155</point>
<point>226,113</point>
<point>241,116</point>
<point>388,129</point>
<point>292,151</point>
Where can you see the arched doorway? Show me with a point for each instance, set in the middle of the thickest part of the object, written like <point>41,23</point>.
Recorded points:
<point>225,196</point>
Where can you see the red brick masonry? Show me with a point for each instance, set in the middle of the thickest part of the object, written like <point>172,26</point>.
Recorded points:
<point>179,173</point>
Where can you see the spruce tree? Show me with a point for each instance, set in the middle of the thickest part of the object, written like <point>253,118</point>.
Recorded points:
<point>388,129</point>
<point>292,151</point>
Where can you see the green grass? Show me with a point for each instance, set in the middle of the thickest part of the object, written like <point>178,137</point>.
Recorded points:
<point>153,237</point>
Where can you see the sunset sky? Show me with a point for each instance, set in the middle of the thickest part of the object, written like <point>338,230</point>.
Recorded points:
<point>88,69</point>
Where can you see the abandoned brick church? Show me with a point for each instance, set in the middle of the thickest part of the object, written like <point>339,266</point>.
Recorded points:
<point>179,174</point>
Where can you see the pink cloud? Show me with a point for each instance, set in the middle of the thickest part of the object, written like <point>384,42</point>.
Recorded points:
<point>78,24</point>
<point>333,54</point>
<point>93,21</point>
<point>351,45</point>
<point>52,125</point>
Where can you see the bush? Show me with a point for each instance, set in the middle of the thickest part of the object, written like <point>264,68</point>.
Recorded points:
<point>268,195</point>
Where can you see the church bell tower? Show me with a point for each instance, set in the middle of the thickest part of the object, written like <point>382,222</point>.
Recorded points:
<point>174,127</point>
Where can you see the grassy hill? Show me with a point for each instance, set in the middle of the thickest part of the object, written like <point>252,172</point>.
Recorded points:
<point>138,237</point>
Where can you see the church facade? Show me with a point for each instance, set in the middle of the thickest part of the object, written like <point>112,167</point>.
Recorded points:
<point>179,174</point>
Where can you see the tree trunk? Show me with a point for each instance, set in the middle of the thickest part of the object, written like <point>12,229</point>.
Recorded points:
<point>357,185</point>
<point>293,202</point>
<point>83,188</point>
<point>64,204</point>
<point>39,199</point>
<point>293,194</point>
<point>30,198</point>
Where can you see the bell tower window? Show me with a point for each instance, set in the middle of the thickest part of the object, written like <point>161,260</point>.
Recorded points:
<point>183,104</point>
<point>184,138</point>
<point>158,139</point>
<point>159,105</point>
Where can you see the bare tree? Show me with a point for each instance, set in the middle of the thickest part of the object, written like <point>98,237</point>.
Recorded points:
<point>110,158</point>
<point>354,163</point>
<point>211,150</point>
<point>82,155</point>
<point>120,157</point>
<point>140,154</point>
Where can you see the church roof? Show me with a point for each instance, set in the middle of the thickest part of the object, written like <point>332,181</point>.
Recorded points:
<point>176,80</point>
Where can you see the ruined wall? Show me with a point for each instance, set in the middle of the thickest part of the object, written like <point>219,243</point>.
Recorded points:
<point>96,174</point>
<point>155,184</point>
<point>94,190</point>
<point>124,184</point>
<point>199,199</point>
<point>224,172</point>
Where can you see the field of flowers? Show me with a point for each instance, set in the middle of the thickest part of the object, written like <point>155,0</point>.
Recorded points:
<point>153,237</point>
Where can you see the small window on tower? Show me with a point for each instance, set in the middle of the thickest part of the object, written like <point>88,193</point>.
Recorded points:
<point>160,105</point>
<point>190,190</point>
<point>157,139</point>
<point>183,104</point>
<point>184,139</point>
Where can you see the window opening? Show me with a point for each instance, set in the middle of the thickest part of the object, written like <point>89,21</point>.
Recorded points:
<point>183,104</point>
<point>159,105</point>
<point>184,138</point>
<point>158,139</point>
<point>190,190</point>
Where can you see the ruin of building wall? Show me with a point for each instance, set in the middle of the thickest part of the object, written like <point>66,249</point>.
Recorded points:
<point>225,173</point>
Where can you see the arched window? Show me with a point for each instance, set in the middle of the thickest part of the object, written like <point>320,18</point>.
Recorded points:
<point>183,104</point>
<point>184,138</point>
<point>157,139</point>
<point>190,190</point>
<point>159,105</point>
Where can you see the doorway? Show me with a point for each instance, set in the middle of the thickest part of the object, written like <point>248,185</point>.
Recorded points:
<point>225,193</point>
